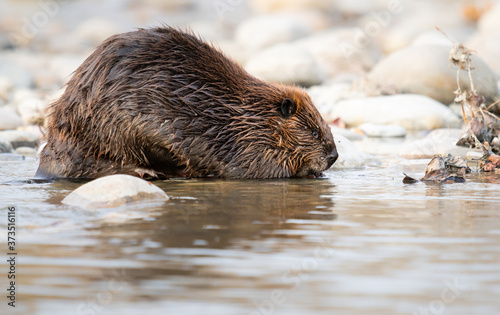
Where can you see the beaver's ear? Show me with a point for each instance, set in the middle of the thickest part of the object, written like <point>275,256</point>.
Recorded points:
<point>288,108</point>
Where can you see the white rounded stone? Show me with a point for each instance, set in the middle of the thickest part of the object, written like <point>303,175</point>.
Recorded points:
<point>413,112</point>
<point>266,30</point>
<point>426,70</point>
<point>114,191</point>
<point>382,131</point>
<point>288,64</point>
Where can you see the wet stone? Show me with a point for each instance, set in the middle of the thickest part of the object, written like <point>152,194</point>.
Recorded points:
<point>114,191</point>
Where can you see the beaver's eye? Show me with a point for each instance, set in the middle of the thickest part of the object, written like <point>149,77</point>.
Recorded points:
<point>315,134</point>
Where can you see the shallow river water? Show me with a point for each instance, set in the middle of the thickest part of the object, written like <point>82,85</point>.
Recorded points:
<point>355,242</point>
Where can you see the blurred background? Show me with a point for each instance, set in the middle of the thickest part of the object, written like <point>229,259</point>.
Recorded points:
<point>305,42</point>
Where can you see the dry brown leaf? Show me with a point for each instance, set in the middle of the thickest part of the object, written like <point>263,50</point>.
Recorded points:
<point>495,159</point>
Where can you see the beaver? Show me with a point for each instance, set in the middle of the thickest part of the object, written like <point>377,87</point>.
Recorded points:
<point>161,102</point>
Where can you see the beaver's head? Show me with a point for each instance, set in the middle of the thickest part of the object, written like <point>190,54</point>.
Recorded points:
<point>303,134</point>
<point>290,138</point>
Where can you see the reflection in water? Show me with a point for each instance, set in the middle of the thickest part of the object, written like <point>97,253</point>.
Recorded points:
<point>221,211</point>
<point>355,242</point>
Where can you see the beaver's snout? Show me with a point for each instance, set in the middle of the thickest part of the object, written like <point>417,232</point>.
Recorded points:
<point>332,158</point>
<point>332,154</point>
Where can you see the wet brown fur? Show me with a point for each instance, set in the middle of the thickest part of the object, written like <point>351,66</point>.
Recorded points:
<point>161,102</point>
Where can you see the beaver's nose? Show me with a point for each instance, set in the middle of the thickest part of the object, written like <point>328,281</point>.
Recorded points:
<point>332,158</point>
